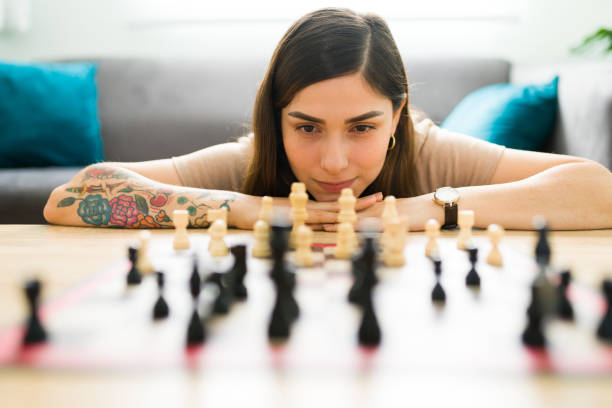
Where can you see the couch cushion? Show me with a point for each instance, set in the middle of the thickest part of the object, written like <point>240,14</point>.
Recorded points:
<point>515,116</point>
<point>48,115</point>
<point>24,192</point>
<point>437,85</point>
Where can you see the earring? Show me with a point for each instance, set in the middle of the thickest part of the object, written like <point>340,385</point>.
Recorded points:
<point>392,142</point>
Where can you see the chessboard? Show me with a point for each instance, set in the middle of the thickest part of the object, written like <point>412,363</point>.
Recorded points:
<point>103,323</point>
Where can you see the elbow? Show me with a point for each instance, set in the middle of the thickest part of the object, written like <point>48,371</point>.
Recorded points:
<point>51,211</point>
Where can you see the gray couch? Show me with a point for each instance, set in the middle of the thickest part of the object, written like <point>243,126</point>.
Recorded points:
<point>152,109</point>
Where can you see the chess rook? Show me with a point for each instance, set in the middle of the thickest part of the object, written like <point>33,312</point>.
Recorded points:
<point>180,219</point>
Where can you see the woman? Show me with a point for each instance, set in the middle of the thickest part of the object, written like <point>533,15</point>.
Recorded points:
<point>332,112</point>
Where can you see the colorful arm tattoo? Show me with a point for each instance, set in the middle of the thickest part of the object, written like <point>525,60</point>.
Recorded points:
<point>115,197</point>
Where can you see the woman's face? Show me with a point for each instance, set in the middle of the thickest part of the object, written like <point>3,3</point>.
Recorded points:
<point>336,134</point>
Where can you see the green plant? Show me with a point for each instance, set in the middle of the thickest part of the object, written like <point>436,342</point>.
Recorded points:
<point>601,36</point>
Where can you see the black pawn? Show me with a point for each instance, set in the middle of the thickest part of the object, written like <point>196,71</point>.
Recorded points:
<point>472,278</point>
<point>133,276</point>
<point>564,307</point>
<point>604,331</point>
<point>160,310</point>
<point>196,333</point>
<point>533,336</point>
<point>438,294</point>
<point>35,333</point>
<point>542,249</point>
<point>223,302</point>
<point>239,271</point>
<point>369,330</point>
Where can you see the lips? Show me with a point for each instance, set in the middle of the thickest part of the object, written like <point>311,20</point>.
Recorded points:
<point>335,187</point>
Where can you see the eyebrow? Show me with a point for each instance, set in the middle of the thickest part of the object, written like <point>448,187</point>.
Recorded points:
<point>364,116</point>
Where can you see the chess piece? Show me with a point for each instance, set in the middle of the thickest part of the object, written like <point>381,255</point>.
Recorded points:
<point>344,244</point>
<point>239,271</point>
<point>564,308</point>
<point>261,231</point>
<point>285,309</point>
<point>369,330</point>
<point>180,218</point>
<point>389,214</point>
<point>196,331</point>
<point>303,255</point>
<point>298,199</point>
<point>542,249</point>
<point>533,335</point>
<point>133,277</point>
<point>393,252</point>
<point>160,309</point>
<point>215,214</point>
<point>604,330</point>
<point>347,213</point>
<point>438,294</point>
<point>34,332</point>
<point>496,233</point>
<point>466,222</point>
<point>266,212</point>
<point>142,263</point>
<point>432,231</point>
<point>472,278</point>
<point>216,245</point>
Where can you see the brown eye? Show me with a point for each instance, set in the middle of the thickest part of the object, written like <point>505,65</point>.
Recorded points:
<point>363,128</point>
<point>307,128</point>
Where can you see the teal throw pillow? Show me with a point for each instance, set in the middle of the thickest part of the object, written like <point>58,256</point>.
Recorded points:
<point>49,115</point>
<point>515,116</point>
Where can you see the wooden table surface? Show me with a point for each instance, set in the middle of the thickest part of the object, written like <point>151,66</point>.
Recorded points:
<point>64,256</point>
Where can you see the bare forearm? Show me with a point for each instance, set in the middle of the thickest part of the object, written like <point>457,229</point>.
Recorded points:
<point>570,196</point>
<point>108,196</point>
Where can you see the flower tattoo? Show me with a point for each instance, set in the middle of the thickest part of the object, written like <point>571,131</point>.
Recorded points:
<point>95,210</point>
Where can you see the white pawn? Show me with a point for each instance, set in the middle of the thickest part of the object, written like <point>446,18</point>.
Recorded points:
<point>261,248</point>
<point>496,232</point>
<point>180,218</point>
<point>432,231</point>
<point>345,244</point>
<point>298,199</point>
<point>217,246</point>
<point>393,254</point>
<point>466,222</point>
<point>142,263</point>
<point>303,255</point>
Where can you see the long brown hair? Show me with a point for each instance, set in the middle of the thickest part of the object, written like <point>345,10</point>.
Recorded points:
<point>321,45</point>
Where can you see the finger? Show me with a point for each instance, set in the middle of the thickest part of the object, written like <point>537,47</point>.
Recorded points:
<point>332,206</point>
<point>368,201</point>
<point>316,227</point>
<point>321,217</point>
<point>330,227</point>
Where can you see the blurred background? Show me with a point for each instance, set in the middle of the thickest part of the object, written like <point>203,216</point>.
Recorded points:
<point>516,30</point>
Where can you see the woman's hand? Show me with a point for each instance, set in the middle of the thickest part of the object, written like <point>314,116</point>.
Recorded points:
<point>415,210</point>
<point>319,213</point>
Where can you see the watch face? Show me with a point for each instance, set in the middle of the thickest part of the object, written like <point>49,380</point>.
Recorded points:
<point>447,194</point>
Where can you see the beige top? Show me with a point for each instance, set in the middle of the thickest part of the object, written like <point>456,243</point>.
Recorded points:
<point>444,158</point>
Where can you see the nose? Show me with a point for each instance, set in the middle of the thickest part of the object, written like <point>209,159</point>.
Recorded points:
<point>334,155</point>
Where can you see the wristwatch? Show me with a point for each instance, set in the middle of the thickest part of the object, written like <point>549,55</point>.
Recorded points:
<point>448,197</point>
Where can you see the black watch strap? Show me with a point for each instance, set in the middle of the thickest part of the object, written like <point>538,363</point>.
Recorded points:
<point>450,216</point>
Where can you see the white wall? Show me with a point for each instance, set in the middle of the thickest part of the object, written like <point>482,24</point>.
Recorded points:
<point>533,31</point>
